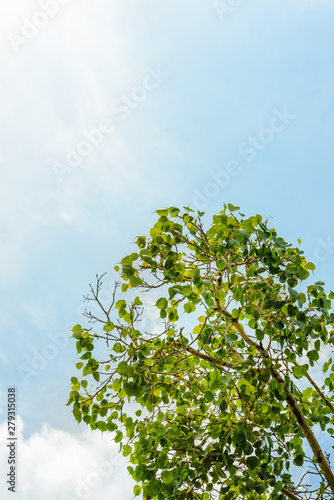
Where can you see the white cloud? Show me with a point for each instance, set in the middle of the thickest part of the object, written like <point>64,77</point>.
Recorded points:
<point>57,465</point>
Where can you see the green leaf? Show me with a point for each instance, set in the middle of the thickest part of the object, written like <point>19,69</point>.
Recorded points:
<point>189,307</point>
<point>102,426</point>
<point>77,329</point>
<point>313,355</point>
<point>117,384</point>
<point>118,437</point>
<point>300,370</point>
<point>117,347</point>
<point>137,490</point>
<point>109,326</point>
<point>120,304</point>
<point>173,211</point>
<point>252,462</point>
<point>122,368</point>
<point>293,293</point>
<point>137,302</point>
<point>162,212</point>
<point>247,226</point>
<point>232,208</point>
<point>127,449</point>
<point>327,365</point>
<point>162,303</point>
<point>141,241</point>
<point>299,460</point>
<point>77,415</point>
<point>209,396</point>
<point>235,313</point>
<point>167,477</point>
<point>86,355</point>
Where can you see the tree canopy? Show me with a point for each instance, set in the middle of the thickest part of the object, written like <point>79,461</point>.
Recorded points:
<point>214,342</point>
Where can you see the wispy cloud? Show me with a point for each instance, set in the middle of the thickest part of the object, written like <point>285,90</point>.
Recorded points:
<point>58,465</point>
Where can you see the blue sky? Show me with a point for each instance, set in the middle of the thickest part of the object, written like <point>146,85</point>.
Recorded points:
<point>206,82</point>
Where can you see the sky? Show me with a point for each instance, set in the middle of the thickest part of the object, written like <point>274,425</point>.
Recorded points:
<point>109,111</point>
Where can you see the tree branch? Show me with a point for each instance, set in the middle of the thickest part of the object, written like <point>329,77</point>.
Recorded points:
<point>292,402</point>
<point>289,494</point>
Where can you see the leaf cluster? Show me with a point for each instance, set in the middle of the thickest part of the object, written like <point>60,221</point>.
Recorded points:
<point>223,408</point>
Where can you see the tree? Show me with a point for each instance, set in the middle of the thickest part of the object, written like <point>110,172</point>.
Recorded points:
<point>217,400</point>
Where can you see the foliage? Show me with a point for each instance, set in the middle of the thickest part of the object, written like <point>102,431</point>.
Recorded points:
<point>217,402</point>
